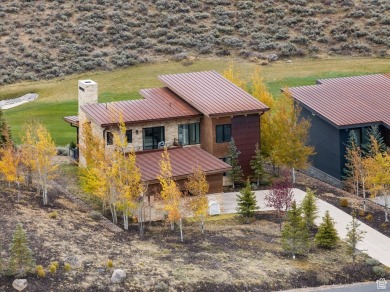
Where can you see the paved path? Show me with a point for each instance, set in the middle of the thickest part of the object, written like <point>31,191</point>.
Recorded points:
<point>358,287</point>
<point>375,244</point>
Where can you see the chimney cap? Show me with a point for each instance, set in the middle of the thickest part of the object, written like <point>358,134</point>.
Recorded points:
<point>87,82</point>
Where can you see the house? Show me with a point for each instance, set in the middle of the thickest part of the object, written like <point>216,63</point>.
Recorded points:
<point>337,106</point>
<point>194,115</point>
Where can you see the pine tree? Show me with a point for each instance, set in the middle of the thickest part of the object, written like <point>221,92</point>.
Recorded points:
<point>257,165</point>
<point>354,236</point>
<point>295,235</point>
<point>21,260</point>
<point>309,208</point>
<point>235,174</point>
<point>376,143</point>
<point>327,236</point>
<point>246,201</point>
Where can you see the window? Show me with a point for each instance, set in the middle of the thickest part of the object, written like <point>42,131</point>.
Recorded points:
<point>129,136</point>
<point>223,133</point>
<point>110,138</point>
<point>152,137</point>
<point>189,134</point>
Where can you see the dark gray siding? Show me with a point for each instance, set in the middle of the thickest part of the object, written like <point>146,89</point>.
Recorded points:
<point>326,140</point>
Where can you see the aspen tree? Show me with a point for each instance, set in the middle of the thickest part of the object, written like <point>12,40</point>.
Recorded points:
<point>10,166</point>
<point>234,75</point>
<point>257,165</point>
<point>170,193</point>
<point>45,151</point>
<point>198,186</point>
<point>127,174</point>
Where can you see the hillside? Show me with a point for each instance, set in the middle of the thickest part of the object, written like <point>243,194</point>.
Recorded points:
<point>46,39</point>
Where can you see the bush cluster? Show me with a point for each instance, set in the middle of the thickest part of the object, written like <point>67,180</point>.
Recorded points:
<point>66,37</point>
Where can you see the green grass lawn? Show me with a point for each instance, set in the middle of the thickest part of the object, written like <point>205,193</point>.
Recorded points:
<point>58,97</point>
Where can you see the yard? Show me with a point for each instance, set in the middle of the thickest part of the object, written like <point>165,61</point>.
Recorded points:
<point>58,97</point>
<point>230,256</point>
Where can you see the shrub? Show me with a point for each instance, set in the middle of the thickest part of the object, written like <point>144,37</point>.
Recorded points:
<point>53,215</point>
<point>40,271</point>
<point>344,202</point>
<point>369,217</point>
<point>56,264</point>
<point>67,267</point>
<point>95,215</point>
<point>362,213</point>
<point>372,262</point>
<point>110,264</point>
<point>52,269</point>
<point>379,271</point>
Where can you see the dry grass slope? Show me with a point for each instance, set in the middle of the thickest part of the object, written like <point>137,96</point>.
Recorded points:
<point>46,39</point>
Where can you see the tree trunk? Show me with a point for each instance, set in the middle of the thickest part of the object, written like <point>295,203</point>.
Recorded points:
<point>44,195</point>
<point>202,224</point>
<point>181,230</point>
<point>258,182</point>
<point>113,214</point>
<point>172,226</point>
<point>293,175</point>
<point>17,182</point>
<point>125,221</point>
<point>141,221</point>
<point>364,195</point>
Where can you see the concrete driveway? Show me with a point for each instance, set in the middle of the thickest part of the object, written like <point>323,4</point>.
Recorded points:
<point>375,244</point>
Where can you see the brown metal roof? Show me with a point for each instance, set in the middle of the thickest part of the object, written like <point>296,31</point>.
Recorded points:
<point>182,161</point>
<point>73,120</point>
<point>212,94</point>
<point>159,104</point>
<point>348,101</point>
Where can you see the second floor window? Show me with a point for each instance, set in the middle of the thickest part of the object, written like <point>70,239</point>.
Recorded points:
<point>223,133</point>
<point>129,136</point>
<point>189,134</point>
<point>153,137</point>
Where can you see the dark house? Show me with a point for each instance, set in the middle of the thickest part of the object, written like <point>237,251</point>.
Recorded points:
<point>337,106</point>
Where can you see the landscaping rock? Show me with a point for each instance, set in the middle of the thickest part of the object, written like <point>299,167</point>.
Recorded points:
<point>19,284</point>
<point>118,276</point>
<point>273,57</point>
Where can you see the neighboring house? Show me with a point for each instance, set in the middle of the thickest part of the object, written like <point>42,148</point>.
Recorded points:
<point>194,115</point>
<point>339,105</point>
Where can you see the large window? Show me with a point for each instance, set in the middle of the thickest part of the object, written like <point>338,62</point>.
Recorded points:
<point>129,136</point>
<point>223,133</point>
<point>189,134</point>
<point>153,137</point>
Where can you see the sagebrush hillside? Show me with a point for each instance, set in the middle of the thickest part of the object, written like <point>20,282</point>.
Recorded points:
<point>45,39</point>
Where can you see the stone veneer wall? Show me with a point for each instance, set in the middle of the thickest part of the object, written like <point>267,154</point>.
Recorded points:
<point>322,176</point>
<point>171,131</point>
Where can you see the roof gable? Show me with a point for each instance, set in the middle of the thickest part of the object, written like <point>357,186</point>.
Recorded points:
<point>212,94</point>
<point>348,101</point>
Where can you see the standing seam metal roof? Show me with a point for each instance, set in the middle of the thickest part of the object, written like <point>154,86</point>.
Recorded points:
<point>158,104</point>
<point>182,161</point>
<point>348,101</point>
<point>212,94</point>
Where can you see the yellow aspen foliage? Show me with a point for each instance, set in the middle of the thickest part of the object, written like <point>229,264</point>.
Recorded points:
<point>28,154</point>
<point>378,177</point>
<point>198,186</point>
<point>170,193</point>
<point>234,75</point>
<point>291,147</point>
<point>45,150</point>
<point>10,165</point>
<point>127,176</point>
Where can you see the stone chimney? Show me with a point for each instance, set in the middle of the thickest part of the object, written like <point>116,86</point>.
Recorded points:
<point>88,93</point>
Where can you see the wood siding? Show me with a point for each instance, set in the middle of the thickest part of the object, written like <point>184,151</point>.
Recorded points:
<point>215,184</point>
<point>246,134</point>
<point>220,150</point>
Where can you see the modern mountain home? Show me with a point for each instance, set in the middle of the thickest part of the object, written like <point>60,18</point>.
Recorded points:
<point>339,105</point>
<point>195,115</point>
